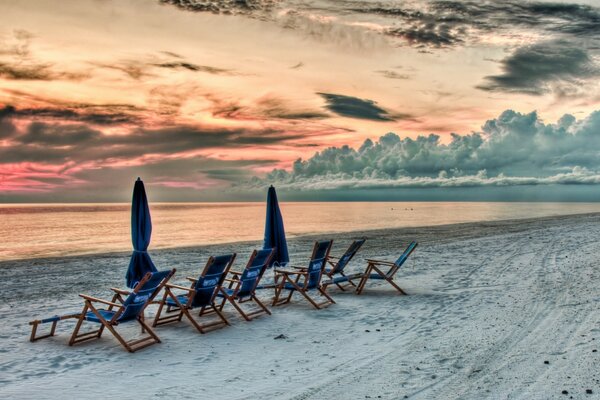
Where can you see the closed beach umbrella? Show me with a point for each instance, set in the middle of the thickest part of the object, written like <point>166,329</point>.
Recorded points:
<point>274,232</point>
<point>141,230</point>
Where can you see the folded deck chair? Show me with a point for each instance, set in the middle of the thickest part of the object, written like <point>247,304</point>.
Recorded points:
<point>242,285</point>
<point>336,273</point>
<point>304,280</point>
<point>120,310</point>
<point>374,272</point>
<point>200,295</point>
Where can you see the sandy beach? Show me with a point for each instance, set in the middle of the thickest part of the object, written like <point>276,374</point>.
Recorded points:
<point>496,310</point>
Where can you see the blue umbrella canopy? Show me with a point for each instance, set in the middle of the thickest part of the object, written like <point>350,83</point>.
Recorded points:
<point>274,232</point>
<point>141,230</point>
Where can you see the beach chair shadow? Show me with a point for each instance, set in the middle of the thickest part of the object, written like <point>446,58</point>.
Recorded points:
<point>336,273</point>
<point>200,295</point>
<point>304,280</point>
<point>374,271</point>
<point>241,288</point>
<point>125,306</point>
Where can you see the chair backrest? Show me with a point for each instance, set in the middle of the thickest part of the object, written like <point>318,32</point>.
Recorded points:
<point>317,263</point>
<point>211,279</point>
<point>348,255</point>
<point>402,259</point>
<point>142,294</point>
<point>259,261</point>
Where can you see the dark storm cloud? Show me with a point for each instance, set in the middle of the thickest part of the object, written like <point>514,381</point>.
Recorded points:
<point>513,149</point>
<point>450,23</point>
<point>425,24</point>
<point>99,115</point>
<point>47,142</point>
<point>544,67</point>
<point>223,6</point>
<point>353,107</point>
<point>430,34</point>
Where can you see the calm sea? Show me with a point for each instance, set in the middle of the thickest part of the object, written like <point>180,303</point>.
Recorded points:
<point>33,231</point>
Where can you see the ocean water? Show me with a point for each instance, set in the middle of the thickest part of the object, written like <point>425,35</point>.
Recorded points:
<point>49,230</point>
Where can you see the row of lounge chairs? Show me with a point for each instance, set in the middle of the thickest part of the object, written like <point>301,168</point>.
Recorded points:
<point>217,285</point>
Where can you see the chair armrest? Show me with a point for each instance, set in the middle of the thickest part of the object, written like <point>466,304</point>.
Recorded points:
<point>189,278</point>
<point>173,286</point>
<point>287,272</point>
<point>120,291</point>
<point>234,272</point>
<point>300,268</point>
<point>97,300</point>
<point>334,257</point>
<point>231,280</point>
<point>382,262</point>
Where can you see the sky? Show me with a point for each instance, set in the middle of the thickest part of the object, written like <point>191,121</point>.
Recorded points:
<point>324,99</point>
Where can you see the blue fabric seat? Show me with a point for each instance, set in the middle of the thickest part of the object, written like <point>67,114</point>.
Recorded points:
<point>182,299</point>
<point>336,271</point>
<point>106,314</point>
<point>376,276</point>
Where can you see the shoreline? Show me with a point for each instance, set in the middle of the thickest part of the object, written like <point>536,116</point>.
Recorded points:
<point>465,230</point>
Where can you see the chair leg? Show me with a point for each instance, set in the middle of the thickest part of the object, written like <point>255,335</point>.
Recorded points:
<point>363,279</point>
<point>324,293</point>
<point>220,314</point>
<point>238,308</point>
<point>264,307</point>
<point>149,330</point>
<point>396,286</point>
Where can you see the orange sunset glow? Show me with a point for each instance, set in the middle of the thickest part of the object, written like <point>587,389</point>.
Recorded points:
<point>93,93</point>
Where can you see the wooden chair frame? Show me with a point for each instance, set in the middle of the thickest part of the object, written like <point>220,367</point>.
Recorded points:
<point>117,303</point>
<point>235,284</point>
<point>299,280</point>
<point>333,261</point>
<point>175,314</point>
<point>373,266</point>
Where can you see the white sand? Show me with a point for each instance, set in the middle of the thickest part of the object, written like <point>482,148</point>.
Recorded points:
<point>489,303</point>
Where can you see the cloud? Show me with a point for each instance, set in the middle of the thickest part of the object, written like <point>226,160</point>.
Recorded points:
<point>393,74</point>
<point>266,108</point>
<point>441,24</point>
<point>90,114</point>
<point>223,6</point>
<point>513,149</point>
<point>193,67</point>
<point>438,24</point>
<point>67,152</point>
<point>353,107</point>
<point>544,67</point>
<point>430,34</point>
<point>17,63</point>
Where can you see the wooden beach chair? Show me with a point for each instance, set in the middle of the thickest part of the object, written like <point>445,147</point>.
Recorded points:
<point>241,286</point>
<point>120,310</point>
<point>200,295</point>
<point>304,280</point>
<point>336,274</point>
<point>373,270</point>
